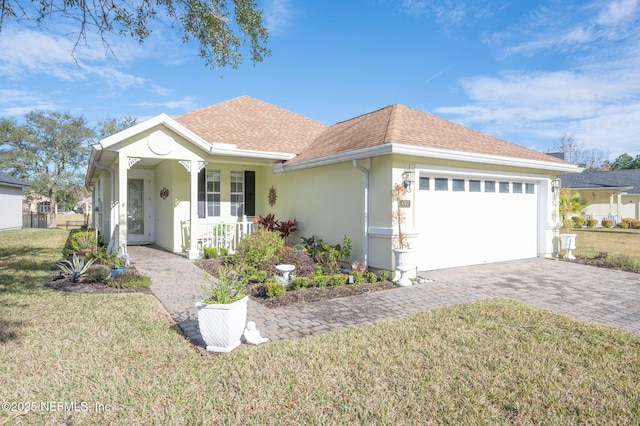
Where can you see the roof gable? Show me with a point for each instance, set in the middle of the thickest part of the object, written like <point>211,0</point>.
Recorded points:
<point>252,124</point>
<point>403,125</point>
<point>7,179</point>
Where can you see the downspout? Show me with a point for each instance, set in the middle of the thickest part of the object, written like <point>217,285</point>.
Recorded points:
<point>365,208</point>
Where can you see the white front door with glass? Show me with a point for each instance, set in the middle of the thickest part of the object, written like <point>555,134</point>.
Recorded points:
<point>140,207</point>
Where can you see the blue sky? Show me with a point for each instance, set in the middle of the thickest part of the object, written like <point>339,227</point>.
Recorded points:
<point>527,72</point>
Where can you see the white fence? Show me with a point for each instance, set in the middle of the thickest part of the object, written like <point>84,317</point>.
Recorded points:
<point>224,235</point>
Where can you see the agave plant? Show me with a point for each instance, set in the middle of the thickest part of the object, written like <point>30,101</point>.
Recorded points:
<point>76,267</point>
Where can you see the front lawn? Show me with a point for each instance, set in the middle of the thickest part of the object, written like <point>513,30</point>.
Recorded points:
<point>622,244</point>
<point>118,359</point>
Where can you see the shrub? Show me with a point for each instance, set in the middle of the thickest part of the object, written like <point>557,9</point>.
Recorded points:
<point>370,277</point>
<point>274,288</point>
<point>338,280</point>
<point>83,240</point>
<point>130,279</point>
<point>112,260</point>
<point>578,221</point>
<point>358,277</point>
<point>623,225</point>
<point>98,273</point>
<point>384,274</point>
<point>291,256</point>
<point>257,249</point>
<point>300,282</point>
<point>592,223</point>
<point>607,223</point>
<point>252,275</point>
<point>320,280</point>
<point>210,252</point>
<point>567,224</point>
<point>633,223</point>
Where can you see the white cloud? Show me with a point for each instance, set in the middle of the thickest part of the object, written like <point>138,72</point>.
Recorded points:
<point>278,16</point>
<point>597,99</point>
<point>187,103</point>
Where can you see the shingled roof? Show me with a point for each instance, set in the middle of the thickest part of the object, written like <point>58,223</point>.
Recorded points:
<point>7,179</point>
<point>404,125</point>
<point>252,124</point>
<point>603,180</point>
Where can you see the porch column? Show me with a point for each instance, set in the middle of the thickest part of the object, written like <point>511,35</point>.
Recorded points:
<point>121,231</point>
<point>194,228</point>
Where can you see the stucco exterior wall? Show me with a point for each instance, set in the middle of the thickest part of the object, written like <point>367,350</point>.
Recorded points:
<point>326,201</point>
<point>10,207</point>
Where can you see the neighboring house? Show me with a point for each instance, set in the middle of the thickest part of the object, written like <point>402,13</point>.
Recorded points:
<point>614,194</point>
<point>10,202</point>
<point>475,198</point>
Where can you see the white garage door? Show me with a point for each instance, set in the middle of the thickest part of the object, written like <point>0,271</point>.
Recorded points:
<point>470,221</point>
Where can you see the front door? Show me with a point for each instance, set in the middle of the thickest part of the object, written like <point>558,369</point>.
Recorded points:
<point>140,207</point>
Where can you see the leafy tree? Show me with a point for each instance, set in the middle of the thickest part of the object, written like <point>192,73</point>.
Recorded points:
<point>112,125</point>
<point>625,161</point>
<point>49,152</point>
<point>221,26</point>
<point>575,152</point>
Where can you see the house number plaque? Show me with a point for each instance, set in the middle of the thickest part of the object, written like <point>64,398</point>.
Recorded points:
<point>405,204</point>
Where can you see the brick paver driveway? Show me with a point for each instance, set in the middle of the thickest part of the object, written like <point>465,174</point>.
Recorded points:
<point>594,294</point>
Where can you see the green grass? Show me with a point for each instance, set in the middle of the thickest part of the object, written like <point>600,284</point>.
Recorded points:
<point>490,362</point>
<point>614,241</point>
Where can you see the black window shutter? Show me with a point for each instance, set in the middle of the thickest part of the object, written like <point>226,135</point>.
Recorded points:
<point>202,193</point>
<point>250,193</point>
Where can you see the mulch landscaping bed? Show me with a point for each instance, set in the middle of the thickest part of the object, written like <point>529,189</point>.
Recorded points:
<point>86,287</point>
<point>602,263</point>
<point>312,294</point>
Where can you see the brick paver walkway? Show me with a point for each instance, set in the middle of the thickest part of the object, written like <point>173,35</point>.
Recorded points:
<point>594,294</point>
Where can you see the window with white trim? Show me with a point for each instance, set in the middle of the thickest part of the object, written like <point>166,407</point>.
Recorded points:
<point>530,188</point>
<point>474,185</point>
<point>504,187</point>
<point>237,193</point>
<point>213,193</point>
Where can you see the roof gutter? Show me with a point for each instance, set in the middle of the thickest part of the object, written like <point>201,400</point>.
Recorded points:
<point>418,151</point>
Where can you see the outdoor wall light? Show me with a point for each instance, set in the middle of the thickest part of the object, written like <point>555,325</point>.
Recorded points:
<point>555,185</point>
<point>408,178</point>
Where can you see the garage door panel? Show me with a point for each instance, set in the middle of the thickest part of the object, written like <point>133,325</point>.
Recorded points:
<point>467,228</point>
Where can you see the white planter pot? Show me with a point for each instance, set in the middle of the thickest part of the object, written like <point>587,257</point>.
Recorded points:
<point>403,264</point>
<point>221,326</point>
<point>568,243</point>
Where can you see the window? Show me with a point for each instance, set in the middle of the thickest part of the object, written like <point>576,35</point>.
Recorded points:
<point>474,186</point>
<point>504,187</point>
<point>213,192</point>
<point>237,193</point>
<point>442,184</point>
<point>489,186</point>
<point>529,188</point>
<point>458,185</point>
<point>517,187</point>
<point>423,183</point>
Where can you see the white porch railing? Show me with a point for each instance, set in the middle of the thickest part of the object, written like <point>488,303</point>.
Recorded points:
<point>224,234</point>
<point>599,217</point>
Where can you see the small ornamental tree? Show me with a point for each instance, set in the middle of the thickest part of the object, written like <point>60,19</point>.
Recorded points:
<point>398,216</point>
